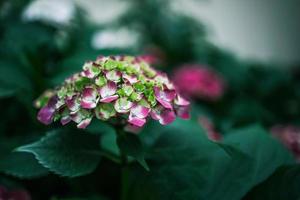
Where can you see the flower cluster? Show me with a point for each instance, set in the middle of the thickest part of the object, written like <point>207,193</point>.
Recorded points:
<point>121,87</point>
<point>196,81</point>
<point>290,136</point>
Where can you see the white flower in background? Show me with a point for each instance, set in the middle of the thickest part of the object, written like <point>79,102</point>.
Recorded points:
<point>55,12</point>
<point>114,38</point>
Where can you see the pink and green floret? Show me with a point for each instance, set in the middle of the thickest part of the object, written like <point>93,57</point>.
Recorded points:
<point>121,87</point>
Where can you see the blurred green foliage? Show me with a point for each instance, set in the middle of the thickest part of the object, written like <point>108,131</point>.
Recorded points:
<point>183,163</point>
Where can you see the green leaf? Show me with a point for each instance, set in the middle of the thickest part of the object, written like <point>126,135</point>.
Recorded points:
<point>108,143</point>
<point>266,153</point>
<point>131,145</point>
<point>12,77</point>
<point>66,154</point>
<point>283,184</point>
<point>186,165</point>
<point>99,127</point>
<point>6,92</point>
<point>21,165</point>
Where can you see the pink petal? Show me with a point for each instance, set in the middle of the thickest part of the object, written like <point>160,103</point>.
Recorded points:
<point>180,101</point>
<point>88,70</point>
<point>129,78</point>
<point>163,79</point>
<point>132,129</point>
<point>155,115</point>
<point>122,105</point>
<point>46,114</point>
<point>88,104</point>
<point>155,112</point>
<point>136,121</point>
<point>167,117</point>
<point>165,104</point>
<point>89,98</point>
<point>183,112</point>
<point>65,120</point>
<point>80,115</point>
<point>113,75</point>
<point>140,111</point>
<point>164,96</point>
<point>109,99</point>
<point>76,117</point>
<point>164,116</point>
<point>87,73</point>
<point>73,103</point>
<point>84,123</point>
<point>108,90</point>
<point>89,93</point>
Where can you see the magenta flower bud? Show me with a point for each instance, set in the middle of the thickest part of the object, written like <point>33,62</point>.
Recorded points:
<point>121,87</point>
<point>46,114</point>
<point>196,81</point>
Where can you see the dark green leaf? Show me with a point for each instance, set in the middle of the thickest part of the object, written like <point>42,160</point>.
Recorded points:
<point>6,92</point>
<point>21,165</point>
<point>66,154</point>
<point>186,165</point>
<point>283,184</point>
<point>131,145</point>
<point>99,127</point>
<point>266,153</point>
<point>108,143</point>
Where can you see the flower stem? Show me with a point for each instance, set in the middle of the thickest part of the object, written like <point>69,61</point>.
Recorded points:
<point>124,166</point>
<point>124,160</point>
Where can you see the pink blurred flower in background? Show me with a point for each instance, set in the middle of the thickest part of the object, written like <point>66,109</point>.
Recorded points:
<point>197,81</point>
<point>17,194</point>
<point>149,58</point>
<point>209,128</point>
<point>289,135</point>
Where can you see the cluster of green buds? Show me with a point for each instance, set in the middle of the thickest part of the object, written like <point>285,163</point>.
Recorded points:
<point>122,88</point>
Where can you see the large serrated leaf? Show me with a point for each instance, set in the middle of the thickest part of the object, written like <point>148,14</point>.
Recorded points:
<point>66,154</point>
<point>186,165</point>
<point>21,165</point>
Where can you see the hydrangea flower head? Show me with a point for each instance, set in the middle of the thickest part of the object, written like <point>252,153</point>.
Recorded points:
<point>121,87</point>
<point>196,81</point>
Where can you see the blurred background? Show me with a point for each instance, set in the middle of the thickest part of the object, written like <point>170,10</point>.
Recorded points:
<point>237,61</point>
<point>265,30</point>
